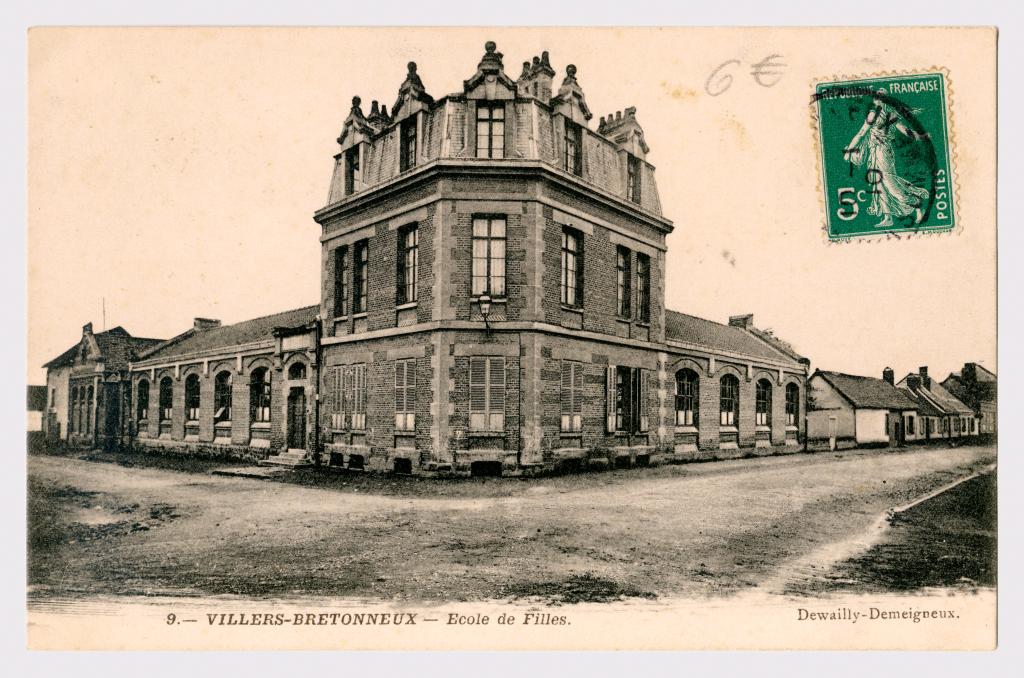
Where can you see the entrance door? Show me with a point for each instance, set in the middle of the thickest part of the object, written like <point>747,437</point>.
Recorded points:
<point>297,419</point>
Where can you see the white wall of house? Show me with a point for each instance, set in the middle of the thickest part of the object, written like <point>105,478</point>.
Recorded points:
<point>57,396</point>
<point>871,426</point>
<point>831,414</point>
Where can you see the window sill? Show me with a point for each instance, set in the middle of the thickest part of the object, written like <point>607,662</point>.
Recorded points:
<point>643,323</point>
<point>728,429</point>
<point>485,434</point>
<point>494,300</point>
<point>339,319</point>
<point>571,434</point>
<point>763,428</point>
<point>686,429</point>
<point>357,316</point>
<point>572,309</point>
<point>191,422</point>
<point>260,426</point>
<point>791,427</point>
<point>222,424</point>
<point>407,305</point>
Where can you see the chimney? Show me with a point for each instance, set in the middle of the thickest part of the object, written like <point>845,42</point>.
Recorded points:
<point>925,379</point>
<point>87,328</point>
<point>742,321</point>
<point>970,373</point>
<point>203,324</point>
<point>914,382</point>
<point>889,375</point>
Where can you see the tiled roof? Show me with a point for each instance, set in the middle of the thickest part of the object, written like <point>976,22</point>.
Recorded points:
<point>947,400</point>
<point>924,407</point>
<point>869,392</point>
<point>117,347</point>
<point>716,336</point>
<point>230,336</point>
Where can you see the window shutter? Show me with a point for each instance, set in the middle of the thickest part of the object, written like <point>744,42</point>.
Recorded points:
<point>346,396</point>
<point>577,405</point>
<point>410,385</point>
<point>399,386</point>
<point>642,400</point>
<point>580,286</point>
<point>567,399</point>
<point>497,386</point>
<point>610,398</point>
<point>478,385</point>
<point>360,389</point>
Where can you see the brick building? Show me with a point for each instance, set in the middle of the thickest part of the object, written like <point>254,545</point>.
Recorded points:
<point>976,387</point>
<point>86,388</point>
<point>493,301</point>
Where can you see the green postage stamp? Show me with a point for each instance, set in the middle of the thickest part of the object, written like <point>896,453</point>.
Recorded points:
<point>886,155</point>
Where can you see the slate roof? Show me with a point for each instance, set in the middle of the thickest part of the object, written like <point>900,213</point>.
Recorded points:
<point>716,336</point>
<point>947,400</point>
<point>230,336</point>
<point>868,392</point>
<point>117,347</point>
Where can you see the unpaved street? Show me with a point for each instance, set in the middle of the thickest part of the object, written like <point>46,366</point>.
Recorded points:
<point>691,530</point>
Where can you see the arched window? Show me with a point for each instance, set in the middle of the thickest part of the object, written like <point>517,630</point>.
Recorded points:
<point>192,397</point>
<point>166,398</point>
<point>729,400</point>
<point>686,398</point>
<point>763,403</point>
<point>297,371</point>
<point>259,395</point>
<point>142,401</point>
<point>88,410</point>
<point>222,397</point>
<point>792,404</point>
<point>73,411</point>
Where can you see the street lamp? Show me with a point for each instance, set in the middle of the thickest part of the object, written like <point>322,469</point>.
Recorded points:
<point>484,302</point>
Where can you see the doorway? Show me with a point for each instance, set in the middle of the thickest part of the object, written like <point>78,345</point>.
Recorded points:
<point>297,419</point>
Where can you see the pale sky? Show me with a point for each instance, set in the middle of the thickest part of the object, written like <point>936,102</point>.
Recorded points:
<point>174,173</point>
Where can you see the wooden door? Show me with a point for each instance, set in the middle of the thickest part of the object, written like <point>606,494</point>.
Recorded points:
<point>297,419</point>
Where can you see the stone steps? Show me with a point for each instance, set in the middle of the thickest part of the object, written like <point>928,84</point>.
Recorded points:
<point>289,458</point>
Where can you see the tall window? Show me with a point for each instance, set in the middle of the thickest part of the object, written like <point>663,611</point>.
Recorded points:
<point>359,276</point>
<point>405,395</point>
<point>347,392</point>
<point>572,267</point>
<point>166,398</point>
<point>572,158</point>
<point>622,287</point>
<point>142,401</point>
<point>222,397</point>
<point>633,179</point>
<point>627,407</point>
<point>792,404</point>
<point>407,159</point>
<point>643,287</point>
<point>408,263</point>
<point>687,403</point>
<point>490,130</point>
<point>192,397</point>
<point>340,282</point>
<point>88,410</point>
<point>572,396</point>
<point>259,396</point>
<point>729,400</point>
<point>487,393</point>
<point>489,256</point>
<point>353,176</point>
<point>763,403</point>
<point>73,410</point>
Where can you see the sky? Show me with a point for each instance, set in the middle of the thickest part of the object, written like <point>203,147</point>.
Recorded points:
<point>173,173</point>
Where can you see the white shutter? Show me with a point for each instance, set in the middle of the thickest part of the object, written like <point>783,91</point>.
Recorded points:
<point>496,394</point>
<point>642,400</point>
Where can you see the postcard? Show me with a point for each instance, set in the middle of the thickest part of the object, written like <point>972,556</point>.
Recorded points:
<point>512,338</point>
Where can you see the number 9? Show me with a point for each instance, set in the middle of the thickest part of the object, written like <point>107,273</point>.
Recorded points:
<point>171,618</point>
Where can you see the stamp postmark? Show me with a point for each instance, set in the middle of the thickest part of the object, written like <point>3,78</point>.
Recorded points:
<point>886,157</point>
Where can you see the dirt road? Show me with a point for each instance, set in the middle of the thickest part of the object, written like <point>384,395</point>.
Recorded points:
<point>692,530</point>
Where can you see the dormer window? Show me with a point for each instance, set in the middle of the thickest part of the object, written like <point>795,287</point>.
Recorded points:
<point>353,175</point>
<point>408,154</point>
<point>572,158</point>
<point>490,130</point>
<point>633,179</point>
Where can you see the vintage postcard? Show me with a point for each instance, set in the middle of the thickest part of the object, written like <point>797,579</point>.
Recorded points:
<point>512,338</point>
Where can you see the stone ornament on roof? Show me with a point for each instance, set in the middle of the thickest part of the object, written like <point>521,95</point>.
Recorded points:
<point>490,72</point>
<point>356,125</point>
<point>570,101</point>
<point>412,95</point>
<point>623,128</point>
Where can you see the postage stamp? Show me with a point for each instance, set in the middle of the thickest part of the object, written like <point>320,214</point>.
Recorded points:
<point>886,155</point>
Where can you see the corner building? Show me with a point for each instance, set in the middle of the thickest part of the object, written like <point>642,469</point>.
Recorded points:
<point>493,296</point>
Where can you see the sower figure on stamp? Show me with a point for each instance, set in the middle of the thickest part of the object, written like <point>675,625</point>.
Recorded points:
<point>873,148</point>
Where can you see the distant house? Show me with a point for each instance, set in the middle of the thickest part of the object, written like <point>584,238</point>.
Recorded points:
<point>975,387</point>
<point>948,417</point>
<point>847,410</point>
<point>36,406</point>
<point>87,387</point>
